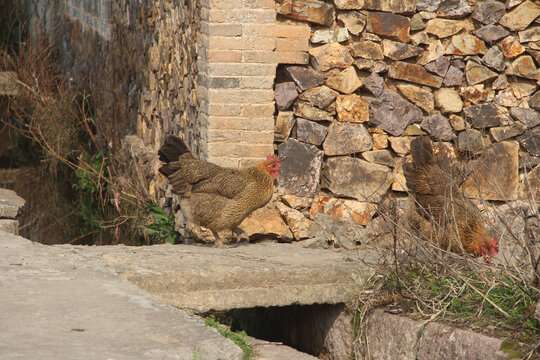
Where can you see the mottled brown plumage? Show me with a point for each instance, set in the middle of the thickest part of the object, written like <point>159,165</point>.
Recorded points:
<point>440,212</point>
<point>212,196</point>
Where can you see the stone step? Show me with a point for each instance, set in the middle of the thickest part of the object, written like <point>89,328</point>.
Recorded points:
<point>10,204</point>
<point>203,278</point>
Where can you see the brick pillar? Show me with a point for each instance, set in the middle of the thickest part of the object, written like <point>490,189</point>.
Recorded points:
<point>240,46</point>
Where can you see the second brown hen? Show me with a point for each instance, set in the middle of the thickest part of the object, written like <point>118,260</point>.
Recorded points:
<point>440,212</point>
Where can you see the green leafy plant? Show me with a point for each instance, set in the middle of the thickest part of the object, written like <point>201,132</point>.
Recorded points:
<point>239,338</point>
<point>163,228</point>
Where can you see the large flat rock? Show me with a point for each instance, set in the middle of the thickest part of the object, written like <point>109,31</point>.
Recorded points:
<point>65,303</point>
<point>203,278</point>
<point>10,204</point>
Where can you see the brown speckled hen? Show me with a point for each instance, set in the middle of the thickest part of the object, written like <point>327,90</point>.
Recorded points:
<point>212,196</point>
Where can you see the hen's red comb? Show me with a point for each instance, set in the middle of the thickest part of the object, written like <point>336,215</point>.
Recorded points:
<point>273,158</point>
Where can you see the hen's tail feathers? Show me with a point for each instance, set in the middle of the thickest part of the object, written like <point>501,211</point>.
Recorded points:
<point>172,149</point>
<point>422,151</point>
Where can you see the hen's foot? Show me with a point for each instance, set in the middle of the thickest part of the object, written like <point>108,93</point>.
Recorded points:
<point>218,243</point>
<point>240,234</point>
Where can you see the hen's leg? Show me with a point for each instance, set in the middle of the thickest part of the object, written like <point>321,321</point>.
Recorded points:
<point>218,242</point>
<point>240,234</point>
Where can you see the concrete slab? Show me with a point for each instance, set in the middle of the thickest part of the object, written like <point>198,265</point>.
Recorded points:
<point>10,204</point>
<point>60,303</point>
<point>202,278</point>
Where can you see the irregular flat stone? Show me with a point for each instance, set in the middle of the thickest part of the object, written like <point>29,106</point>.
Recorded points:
<point>341,234</point>
<point>421,38</point>
<point>326,36</point>
<point>506,98</point>
<point>9,226</point>
<point>531,34</point>
<point>267,222</point>
<point>380,141</point>
<point>400,7</point>
<point>488,12</point>
<point>494,58</point>
<point>471,140</point>
<point>284,124</point>
<point>310,132</point>
<point>454,77</point>
<point>439,66</point>
<point>354,21</point>
<point>454,9</point>
<point>465,44</point>
<point>374,84</point>
<point>476,73</point>
<point>534,101</point>
<point>389,25</point>
<point>495,174</point>
<point>307,111</point>
<point>457,122</point>
<point>349,4</point>
<point>530,141</point>
<point>428,5</point>
<point>301,166</point>
<point>476,93</point>
<point>352,108</point>
<point>346,81</point>
<point>354,211</point>
<point>297,202</point>
<point>414,130</point>
<point>399,51</point>
<point>483,116</point>
<point>522,89</point>
<point>444,27</point>
<point>370,65</point>
<point>501,82</point>
<point>413,73</point>
<point>529,117</point>
<point>346,138</point>
<point>401,145</point>
<point>295,220</point>
<point>381,157</point>
<point>367,50</point>
<point>422,98</point>
<point>448,101</point>
<point>359,179</point>
<point>320,96</point>
<point>314,11</point>
<point>523,66</point>
<point>521,16</point>
<point>129,323</point>
<point>11,204</point>
<point>510,47</point>
<point>501,133</point>
<point>439,127</point>
<point>417,22</point>
<point>535,54</point>
<point>391,113</point>
<point>306,78</point>
<point>330,56</point>
<point>285,95</point>
<point>491,33</point>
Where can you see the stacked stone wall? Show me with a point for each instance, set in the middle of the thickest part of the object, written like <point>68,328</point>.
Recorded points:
<point>381,73</point>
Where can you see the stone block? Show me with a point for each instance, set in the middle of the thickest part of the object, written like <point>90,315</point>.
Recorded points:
<point>346,138</point>
<point>301,166</point>
<point>11,204</point>
<point>9,226</point>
